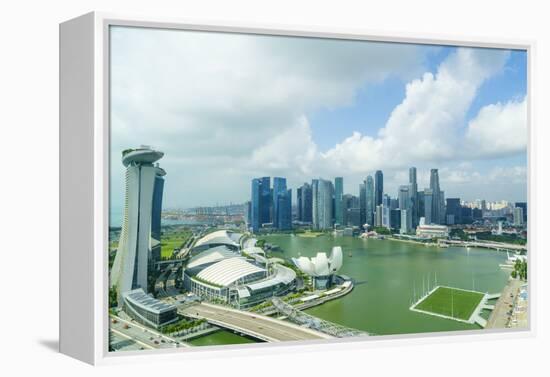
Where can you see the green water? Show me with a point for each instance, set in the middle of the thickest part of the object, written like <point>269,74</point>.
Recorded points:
<point>220,337</point>
<point>388,272</point>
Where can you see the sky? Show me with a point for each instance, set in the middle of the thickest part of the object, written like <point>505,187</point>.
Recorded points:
<point>226,108</point>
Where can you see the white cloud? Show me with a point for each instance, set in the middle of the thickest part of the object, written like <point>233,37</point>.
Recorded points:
<point>235,100</point>
<point>225,107</point>
<point>427,124</point>
<point>498,129</point>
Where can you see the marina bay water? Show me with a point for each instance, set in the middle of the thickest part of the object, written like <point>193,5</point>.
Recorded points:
<point>387,275</point>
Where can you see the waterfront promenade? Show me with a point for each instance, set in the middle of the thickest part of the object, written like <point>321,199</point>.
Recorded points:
<point>501,313</point>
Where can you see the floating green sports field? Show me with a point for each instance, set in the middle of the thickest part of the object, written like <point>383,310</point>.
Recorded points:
<point>450,302</point>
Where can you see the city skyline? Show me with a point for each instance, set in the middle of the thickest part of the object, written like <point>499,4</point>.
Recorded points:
<point>461,110</point>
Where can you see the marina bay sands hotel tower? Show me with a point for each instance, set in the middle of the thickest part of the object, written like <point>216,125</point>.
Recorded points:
<point>143,199</point>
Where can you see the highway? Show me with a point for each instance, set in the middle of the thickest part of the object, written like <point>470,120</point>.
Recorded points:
<point>145,337</point>
<point>251,324</point>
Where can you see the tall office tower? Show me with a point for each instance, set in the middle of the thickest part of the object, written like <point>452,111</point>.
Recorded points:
<point>255,199</point>
<point>363,203</point>
<point>339,200</point>
<point>428,206</point>
<point>406,206</point>
<point>260,203</point>
<point>420,213</point>
<point>130,268</point>
<point>378,215</point>
<point>156,213</point>
<point>265,200</point>
<point>395,218</point>
<point>279,188</point>
<point>442,209</point>
<point>436,202</point>
<point>284,210</point>
<point>386,206</point>
<point>413,192</point>
<point>404,197</point>
<point>453,211</point>
<point>323,192</point>
<point>406,221</point>
<point>248,217</point>
<point>299,201</point>
<point>378,187</point>
<point>369,183</point>
<point>518,216</point>
<point>523,205</point>
<point>306,203</point>
<point>315,203</point>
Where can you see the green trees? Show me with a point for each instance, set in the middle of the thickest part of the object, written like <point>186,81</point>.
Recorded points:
<point>382,230</point>
<point>181,325</point>
<point>113,300</point>
<point>520,269</point>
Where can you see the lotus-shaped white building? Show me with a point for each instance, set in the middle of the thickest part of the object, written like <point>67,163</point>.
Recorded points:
<point>321,267</point>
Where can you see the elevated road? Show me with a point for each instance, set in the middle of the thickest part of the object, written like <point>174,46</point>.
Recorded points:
<point>487,245</point>
<point>252,324</point>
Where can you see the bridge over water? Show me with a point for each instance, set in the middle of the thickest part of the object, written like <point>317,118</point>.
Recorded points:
<point>309,321</point>
<point>254,325</point>
<point>488,245</point>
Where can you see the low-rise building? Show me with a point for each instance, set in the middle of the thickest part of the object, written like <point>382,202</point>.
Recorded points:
<point>147,310</point>
<point>432,231</point>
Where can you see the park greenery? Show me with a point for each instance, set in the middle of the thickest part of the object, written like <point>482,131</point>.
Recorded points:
<point>451,302</point>
<point>173,239</point>
<point>520,270</point>
<point>382,230</point>
<point>113,297</point>
<point>504,238</point>
<point>181,325</point>
<point>458,233</point>
<point>260,243</point>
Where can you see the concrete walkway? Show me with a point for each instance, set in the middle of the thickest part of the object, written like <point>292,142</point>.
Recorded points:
<point>499,316</point>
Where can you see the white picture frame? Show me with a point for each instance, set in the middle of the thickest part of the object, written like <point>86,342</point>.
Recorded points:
<point>84,187</point>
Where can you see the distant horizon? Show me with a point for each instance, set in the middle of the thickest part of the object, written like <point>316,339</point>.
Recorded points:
<point>226,108</point>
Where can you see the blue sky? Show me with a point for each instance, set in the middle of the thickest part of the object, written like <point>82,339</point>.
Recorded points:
<point>229,107</point>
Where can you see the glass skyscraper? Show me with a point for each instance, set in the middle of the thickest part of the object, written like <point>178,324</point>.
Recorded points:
<point>279,188</point>
<point>363,203</point>
<point>436,215</point>
<point>339,200</point>
<point>284,210</point>
<point>322,193</point>
<point>370,204</point>
<point>260,203</point>
<point>378,187</point>
<point>413,192</point>
<point>157,213</point>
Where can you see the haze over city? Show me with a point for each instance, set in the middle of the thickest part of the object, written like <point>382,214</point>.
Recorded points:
<point>225,108</point>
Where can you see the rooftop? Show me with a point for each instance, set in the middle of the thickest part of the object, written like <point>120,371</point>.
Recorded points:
<point>222,237</point>
<point>228,271</point>
<point>144,155</point>
<point>140,298</point>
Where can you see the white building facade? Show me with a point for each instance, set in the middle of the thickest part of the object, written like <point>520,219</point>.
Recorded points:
<point>130,267</point>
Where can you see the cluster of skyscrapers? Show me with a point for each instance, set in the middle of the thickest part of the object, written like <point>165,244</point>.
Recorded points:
<point>323,204</point>
<point>270,205</point>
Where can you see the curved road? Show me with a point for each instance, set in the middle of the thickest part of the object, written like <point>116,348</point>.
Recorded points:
<point>252,324</point>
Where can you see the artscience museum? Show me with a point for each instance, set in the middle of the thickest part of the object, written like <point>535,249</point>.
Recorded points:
<point>320,267</point>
